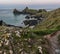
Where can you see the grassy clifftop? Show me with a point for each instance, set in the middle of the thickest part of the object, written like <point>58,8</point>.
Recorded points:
<point>52,22</point>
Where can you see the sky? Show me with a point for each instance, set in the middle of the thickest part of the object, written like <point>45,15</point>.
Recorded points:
<point>30,3</point>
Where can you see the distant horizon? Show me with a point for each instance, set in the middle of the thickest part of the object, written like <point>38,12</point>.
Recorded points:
<point>36,4</point>
<point>20,6</point>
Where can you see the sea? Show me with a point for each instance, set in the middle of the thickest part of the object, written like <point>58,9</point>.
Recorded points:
<point>9,18</point>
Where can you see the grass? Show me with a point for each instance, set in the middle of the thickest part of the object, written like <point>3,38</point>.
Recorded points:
<point>45,51</point>
<point>51,22</point>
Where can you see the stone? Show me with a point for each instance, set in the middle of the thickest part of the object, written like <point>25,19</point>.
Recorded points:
<point>0,44</point>
<point>40,49</point>
<point>11,52</point>
<point>7,42</point>
<point>17,33</point>
<point>0,52</point>
<point>4,52</point>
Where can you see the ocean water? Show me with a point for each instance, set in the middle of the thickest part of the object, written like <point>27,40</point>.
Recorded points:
<point>9,18</point>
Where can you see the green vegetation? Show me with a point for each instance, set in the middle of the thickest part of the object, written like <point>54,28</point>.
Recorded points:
<point>33,11</point>
<point>29,11</point>
<point>51,22</point>
<point>27,41</point>
<point>44,32</point>
<point>45,51</point>
<point>41,10</point>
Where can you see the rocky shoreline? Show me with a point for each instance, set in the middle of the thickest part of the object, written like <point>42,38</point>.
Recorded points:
<point>33,17</point>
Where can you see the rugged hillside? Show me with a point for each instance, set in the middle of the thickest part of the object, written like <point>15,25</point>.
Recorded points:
<point>14,40</point>
<point>51,22</point>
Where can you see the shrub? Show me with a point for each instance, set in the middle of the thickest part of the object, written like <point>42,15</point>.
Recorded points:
<point>58,27</point>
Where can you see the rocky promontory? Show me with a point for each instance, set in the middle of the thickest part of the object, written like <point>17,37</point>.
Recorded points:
<point>28,11</point>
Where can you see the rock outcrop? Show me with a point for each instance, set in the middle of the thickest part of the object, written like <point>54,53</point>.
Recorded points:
<point>31,22</point>
<point>2,23</point>
<point>16,12</point>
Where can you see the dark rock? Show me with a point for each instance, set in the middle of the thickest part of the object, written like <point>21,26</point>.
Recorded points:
<point>30,22</point>
<point>27,17</point>
<point>13,26</point>
<point>34,17</point>
<point>16,12</point>
<point>25,11</point>
<point>2,23</point>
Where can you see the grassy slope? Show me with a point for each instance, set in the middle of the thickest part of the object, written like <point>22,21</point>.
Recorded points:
<point>51,22</point>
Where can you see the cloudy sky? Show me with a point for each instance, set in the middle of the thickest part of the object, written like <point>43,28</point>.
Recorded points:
<point>11,3</point>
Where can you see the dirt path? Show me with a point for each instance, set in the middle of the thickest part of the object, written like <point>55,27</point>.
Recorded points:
<point>53,40</point>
